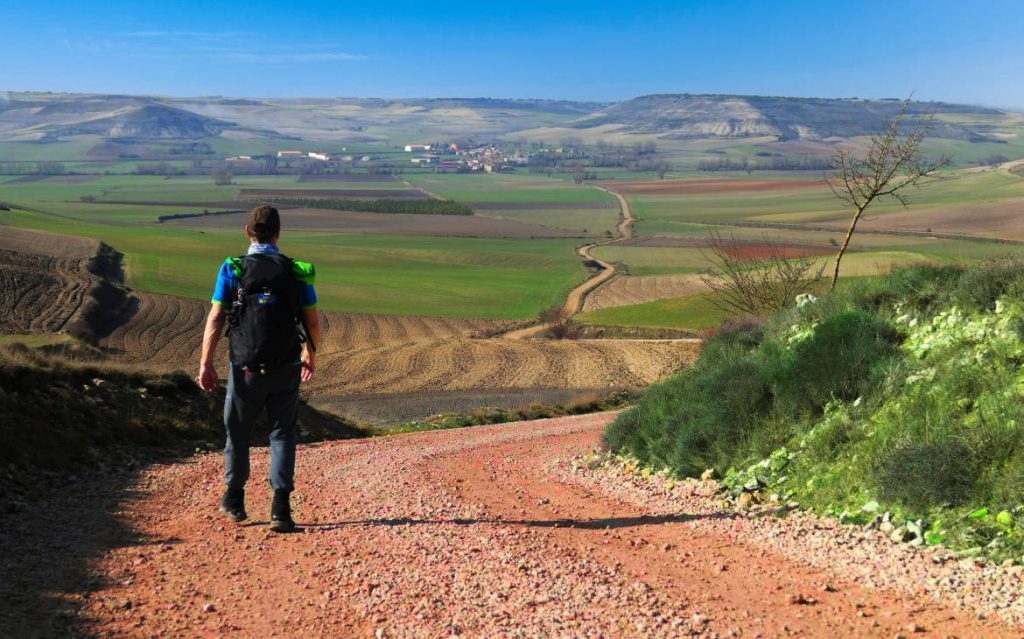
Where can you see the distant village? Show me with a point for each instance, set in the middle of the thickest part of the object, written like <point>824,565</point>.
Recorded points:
<point>442,158</point>
<point>569,155</point>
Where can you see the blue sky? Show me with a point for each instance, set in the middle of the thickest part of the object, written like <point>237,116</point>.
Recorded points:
<point>967,51</point>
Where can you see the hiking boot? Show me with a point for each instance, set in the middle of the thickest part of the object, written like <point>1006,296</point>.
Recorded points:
<point>281,513</point>
<point>233,504</point>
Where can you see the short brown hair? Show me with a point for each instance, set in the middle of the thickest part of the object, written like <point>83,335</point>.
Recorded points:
<point>264,224</point>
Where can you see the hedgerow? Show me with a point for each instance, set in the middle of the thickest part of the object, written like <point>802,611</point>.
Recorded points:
<point>396,206</point>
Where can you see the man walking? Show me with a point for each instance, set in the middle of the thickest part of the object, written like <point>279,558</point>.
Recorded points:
<point>269,304</point>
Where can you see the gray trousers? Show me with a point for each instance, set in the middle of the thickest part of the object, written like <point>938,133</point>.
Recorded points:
<point>248,394</point>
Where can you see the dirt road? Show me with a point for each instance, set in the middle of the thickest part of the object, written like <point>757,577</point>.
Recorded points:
<point>473,532</point>
<point>574,301</point>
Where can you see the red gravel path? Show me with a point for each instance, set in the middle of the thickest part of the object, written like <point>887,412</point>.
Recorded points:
<point>467,532</point>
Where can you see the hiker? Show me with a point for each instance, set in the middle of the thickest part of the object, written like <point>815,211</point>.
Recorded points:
<point>269,304</point>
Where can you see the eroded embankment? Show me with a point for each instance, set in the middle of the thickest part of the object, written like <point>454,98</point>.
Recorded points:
<point>59,284</point>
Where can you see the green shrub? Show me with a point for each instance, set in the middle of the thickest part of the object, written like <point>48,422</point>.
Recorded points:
<point>920,475</point>
<point>843,358</point>
<point>980,287</point>
<point>904,392</point>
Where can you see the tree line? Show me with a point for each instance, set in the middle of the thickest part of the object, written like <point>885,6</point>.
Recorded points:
<point>408,207</point>
<point>804,162</point>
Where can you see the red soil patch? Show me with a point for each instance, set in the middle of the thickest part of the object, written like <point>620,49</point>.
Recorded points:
<point>764,252</point>
<point>709,185</point>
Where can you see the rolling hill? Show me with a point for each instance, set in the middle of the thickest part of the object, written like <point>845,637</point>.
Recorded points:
<point>684,125</point>
<point>682,116</point>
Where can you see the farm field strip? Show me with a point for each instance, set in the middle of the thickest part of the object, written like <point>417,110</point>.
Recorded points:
<point>626,290</point>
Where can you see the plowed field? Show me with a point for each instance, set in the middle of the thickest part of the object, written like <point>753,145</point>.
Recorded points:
<point>43,280</point>
<point>396,354</point>
<point>637,289</point>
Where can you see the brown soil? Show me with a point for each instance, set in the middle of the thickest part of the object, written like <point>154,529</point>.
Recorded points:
<point>626,290</point>
<point>470,532</point>
<point>354,194</point>
<point>41,294</point>
<point>393,224</point>
<point>380,354</point>
<point>699,186</point>
<point>45,280</point>
<point>49,244</point>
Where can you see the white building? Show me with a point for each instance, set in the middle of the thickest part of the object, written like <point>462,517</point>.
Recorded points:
<point>289,154</point>
<point>320,155</point>
<point>409,148</point>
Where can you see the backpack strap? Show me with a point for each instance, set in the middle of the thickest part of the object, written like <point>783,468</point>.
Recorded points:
<point>304,272</point>
<point>237,266</point>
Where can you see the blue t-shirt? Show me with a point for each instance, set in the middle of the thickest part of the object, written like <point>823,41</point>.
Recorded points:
<point>227,283</point>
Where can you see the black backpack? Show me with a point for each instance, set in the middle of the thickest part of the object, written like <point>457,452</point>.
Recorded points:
<point>265,320</point>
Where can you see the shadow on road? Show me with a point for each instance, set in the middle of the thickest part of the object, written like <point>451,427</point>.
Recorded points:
<point>47,576</point>
<point>601,523</point>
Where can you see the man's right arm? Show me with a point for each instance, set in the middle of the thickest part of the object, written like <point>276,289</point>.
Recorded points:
<point>208,379</point>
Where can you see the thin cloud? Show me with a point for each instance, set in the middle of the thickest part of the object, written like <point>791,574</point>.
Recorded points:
<point>199,45</point>
<point>323,56</point>
<point>185,34</point>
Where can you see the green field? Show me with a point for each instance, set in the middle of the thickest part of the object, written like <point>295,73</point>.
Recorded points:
<point>482,277</point>
<point>364,273</point>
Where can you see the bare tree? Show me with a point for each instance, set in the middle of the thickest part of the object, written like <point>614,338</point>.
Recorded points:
<point>559,322</point>
<point>893,162</point>
<point>758,279</point>
<point>222,177</point>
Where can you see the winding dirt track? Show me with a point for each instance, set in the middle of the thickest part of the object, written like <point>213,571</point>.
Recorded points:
<point>574,301</point>
<point>468,532</point>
